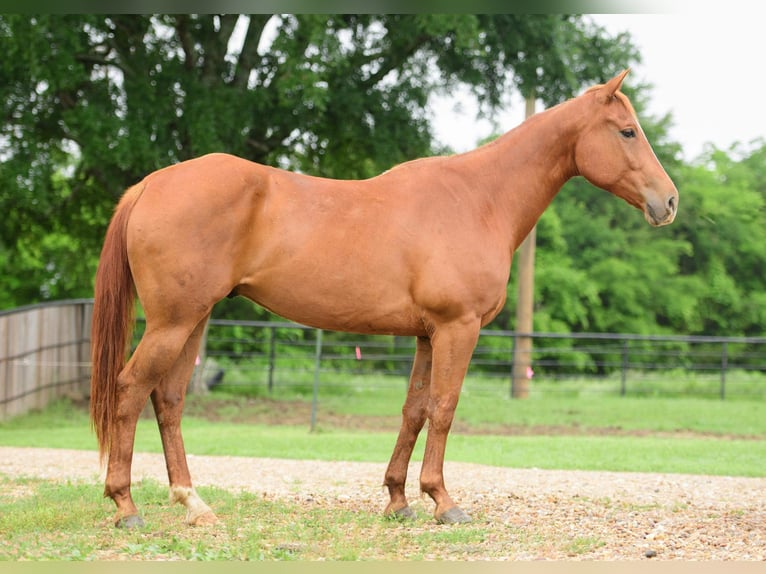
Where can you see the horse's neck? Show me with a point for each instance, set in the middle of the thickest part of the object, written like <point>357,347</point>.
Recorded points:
<point>524,169</point>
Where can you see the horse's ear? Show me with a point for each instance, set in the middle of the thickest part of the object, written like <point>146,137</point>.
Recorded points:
<point>611,87</point>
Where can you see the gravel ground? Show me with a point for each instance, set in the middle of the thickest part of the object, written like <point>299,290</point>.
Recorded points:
<point>620,516</point>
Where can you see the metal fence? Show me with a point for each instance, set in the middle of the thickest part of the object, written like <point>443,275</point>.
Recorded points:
<point>45,350</point>
<point>269,355</point>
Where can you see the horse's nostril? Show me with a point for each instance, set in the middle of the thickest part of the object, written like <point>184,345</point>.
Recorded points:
<point>672,203</point>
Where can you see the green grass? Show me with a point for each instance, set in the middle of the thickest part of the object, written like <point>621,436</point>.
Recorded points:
<point>44,521</point>
<point>704,451</point>
<point>588,411</point>
<point>586,404</point>
<point>478,409</point>
<point>71,521</point>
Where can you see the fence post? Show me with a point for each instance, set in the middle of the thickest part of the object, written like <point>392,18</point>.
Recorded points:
<point>317,364</point>
<point>198,384</point>
<point>525,301</point>
<point>513,362</point>
<point>83,347</point>
<point>724,365</point>
<point>272,356</point>
<point>522,363</point>
<point>624,373</point>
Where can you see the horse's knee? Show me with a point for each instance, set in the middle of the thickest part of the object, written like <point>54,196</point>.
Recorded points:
<point>156,356</point>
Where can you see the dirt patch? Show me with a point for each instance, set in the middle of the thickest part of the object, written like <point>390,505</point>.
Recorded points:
<point>267,411</point>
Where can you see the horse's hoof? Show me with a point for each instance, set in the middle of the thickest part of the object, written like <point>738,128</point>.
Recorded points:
<point>402,514</point>
<point>129,522</point>
<point>205,519</point>
<point>453,516</point>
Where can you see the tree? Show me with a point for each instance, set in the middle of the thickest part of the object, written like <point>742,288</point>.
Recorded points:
<point>91,103</point>
<point>725,227</point>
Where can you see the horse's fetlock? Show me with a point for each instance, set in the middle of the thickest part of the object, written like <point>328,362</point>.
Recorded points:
<point>195,507</point>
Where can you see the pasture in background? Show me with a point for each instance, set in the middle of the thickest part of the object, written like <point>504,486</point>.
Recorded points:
<point>46,349</point>
<point>596,402</point>
<point>647,434</point>
<point>256,357</point>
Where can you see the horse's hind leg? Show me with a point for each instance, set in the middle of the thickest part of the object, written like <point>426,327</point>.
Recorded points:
<point>413,419</point>
<point>168,400</point>
<point>154,357</point>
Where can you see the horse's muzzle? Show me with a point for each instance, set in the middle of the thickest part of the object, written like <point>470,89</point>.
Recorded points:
<point>661,213</point>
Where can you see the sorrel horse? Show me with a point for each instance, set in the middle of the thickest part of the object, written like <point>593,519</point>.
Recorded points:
<point>423,249</point>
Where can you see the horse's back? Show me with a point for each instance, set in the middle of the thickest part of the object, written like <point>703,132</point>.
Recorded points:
<point>356,255</point>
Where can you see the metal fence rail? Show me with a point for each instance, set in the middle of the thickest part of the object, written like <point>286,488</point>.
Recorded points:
<point>45,351</point>
<point>269,354</point>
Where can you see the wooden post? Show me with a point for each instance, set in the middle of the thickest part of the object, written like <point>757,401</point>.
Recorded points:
<point>724,366</point>
<point>317,366</point>
<point>624,374</point>
<point>272,356</point>
<point>198,384</point>
<point>522,350</point>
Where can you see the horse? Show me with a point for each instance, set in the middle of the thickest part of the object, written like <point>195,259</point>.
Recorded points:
<point>423,250</point>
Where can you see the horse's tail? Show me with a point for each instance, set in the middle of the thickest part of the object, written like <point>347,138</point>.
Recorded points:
<point>112,323</point>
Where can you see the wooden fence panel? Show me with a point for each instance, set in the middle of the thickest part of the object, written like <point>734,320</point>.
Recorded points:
<point>44,354</point>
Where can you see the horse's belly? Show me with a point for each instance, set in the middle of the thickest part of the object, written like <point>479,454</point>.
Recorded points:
<point>339,305</point>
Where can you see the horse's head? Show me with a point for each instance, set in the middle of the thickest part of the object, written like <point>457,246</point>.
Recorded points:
<point>613,153</point>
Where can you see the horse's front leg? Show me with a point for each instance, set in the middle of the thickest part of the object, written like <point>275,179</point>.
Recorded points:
<point>413,419</point>
<point>453,345</point>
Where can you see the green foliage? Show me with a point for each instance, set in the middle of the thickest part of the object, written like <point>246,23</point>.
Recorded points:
<point>91,103</point>
<point>725,225</point>
<point>600,268</point>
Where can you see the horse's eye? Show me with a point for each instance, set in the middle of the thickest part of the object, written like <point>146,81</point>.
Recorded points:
<point>628,133</point>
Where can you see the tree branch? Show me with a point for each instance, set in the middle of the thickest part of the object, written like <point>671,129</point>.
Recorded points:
<point>214,46</point>
<point>249,53</point>
<point>394,60</point>
<point>98,60</point>
<point>228,22</point>
<point>187,44</point>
